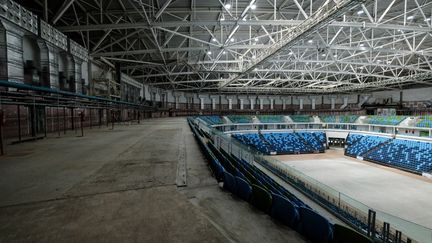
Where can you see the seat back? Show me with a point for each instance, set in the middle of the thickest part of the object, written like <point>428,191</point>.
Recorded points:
<point>261,198</point>
<point>284,210</point>
<point>243,189</point>
<point>342,234</point>
<point>229,182</point>
<point>314,226</point>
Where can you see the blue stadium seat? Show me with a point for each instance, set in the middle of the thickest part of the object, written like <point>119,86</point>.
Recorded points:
<point>243,189</point>
<point>314,226</point>
<point>261,198</point>
<point>229,182</point>
<point>284,211</point>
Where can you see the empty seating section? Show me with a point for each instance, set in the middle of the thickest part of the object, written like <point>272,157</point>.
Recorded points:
<point>314,226</point>
<point>287,143</point>
<point>253,140</point>
<point>386,120</point>
<point>348,119</point>
<point>363,144</point>
<point>407,154</point>
<point>212,120</point>
<point>300,118</point>
<point>271,119</point>
<point>284,143</point>
<point>313,140</point>
<point>240,119</point>
<point>425,121</point>
<point>328,119</point>
<point>353,138</point>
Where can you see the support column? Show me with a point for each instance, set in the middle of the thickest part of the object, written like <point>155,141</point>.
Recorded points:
<point>301,103</point>
<point>201,102</point>
<point>271,103</point>
<point>333,102</point>
<point>261,103</point>
<point>11,52</point>
<point>229,103</point>
<point>241,104</point>
<point>252,103</point>
<point>313,100</point>
<point>49,65</point>
<point>213,100</point>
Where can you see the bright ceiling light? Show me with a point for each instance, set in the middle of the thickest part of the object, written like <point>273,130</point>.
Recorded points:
<point>214,39</point>
<point>360,12</point>
<point>334,55</point>
<point>253,57</point>
<point>361,45</point>
<point>428,19</point>
<point>228,6</point>
<point>232,39</point>
<point>290,53</point>
<point>410,17</point>
<point>253,6</point>
<point>310,41</point>
<point>323,55</point>
<point>256,39</point>
<point>255,69</point>
<point>224,52</point>
<point>209,53</point>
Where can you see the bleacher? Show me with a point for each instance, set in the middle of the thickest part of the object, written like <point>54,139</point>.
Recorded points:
<point>328,118</point>
<point>425,121</point>
<point>253,140</point>
<point>348,119</point>
<point>314,139</point>
<point>407,154</point>
<point>284,143</point>
<point>361,144</point>
<point>287,143</point>
<point>240,118</point>
<point>212,120</point>
<point>386,120</point>
<point>271,119</point>
<point>300,118</point>
<point>249,183</point>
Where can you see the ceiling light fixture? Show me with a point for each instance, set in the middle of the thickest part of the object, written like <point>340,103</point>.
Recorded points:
<point>253,6</point>
<point>228,6</point>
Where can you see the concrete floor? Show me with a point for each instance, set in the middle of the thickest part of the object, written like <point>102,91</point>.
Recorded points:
<point>388,190</point>
<point>120,186</point>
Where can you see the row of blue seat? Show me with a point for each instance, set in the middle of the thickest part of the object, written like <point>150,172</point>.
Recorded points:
<point>251,184</point>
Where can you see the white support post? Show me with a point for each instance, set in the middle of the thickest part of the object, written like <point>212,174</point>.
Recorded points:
<point>301,103</point>
<point>202,103</point>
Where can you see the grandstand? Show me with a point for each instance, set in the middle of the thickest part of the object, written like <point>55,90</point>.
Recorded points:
<point>216,121</point>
